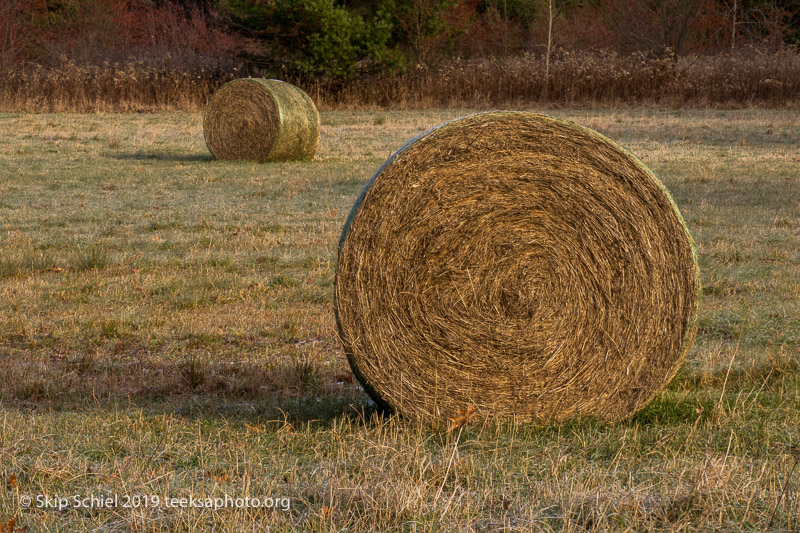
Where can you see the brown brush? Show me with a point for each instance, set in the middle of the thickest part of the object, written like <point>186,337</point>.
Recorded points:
<point>261,120</point>
<point>519,264</point>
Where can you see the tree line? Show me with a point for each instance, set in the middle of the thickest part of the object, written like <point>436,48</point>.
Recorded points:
<point>341,40</point>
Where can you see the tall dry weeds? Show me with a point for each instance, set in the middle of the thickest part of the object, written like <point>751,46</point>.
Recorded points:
<point>134,86</point>
<point>749,77</point>
<point>585,78</point>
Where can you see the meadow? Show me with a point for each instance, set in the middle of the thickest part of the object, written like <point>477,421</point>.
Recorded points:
<point>167,330</point>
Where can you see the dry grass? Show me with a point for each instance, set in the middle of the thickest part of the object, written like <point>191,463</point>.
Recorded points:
<point>135,86</point>
<point>582,78</point>
<point>751,77</point>
<point>167,328</point>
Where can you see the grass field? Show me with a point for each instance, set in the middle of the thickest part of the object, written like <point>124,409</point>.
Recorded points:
<point>166,330</point>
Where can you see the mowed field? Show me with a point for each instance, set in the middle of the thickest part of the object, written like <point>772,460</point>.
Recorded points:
<point>167,330</point>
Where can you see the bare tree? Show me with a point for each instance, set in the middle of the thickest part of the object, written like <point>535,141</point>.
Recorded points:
<point>647,25</point>
<point>553,9</point>
<point>766,22</point>
<point>13,35</point>
<point>549,49</point>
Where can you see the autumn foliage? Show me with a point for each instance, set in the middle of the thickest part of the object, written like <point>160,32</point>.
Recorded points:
<point>156,54</point>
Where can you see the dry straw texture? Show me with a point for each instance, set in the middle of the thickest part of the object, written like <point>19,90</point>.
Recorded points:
<point>517,264</point>
<point>261,120</point>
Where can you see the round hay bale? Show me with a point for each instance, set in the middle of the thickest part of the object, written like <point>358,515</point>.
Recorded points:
<point>515,265</point>
<point>261,120</point>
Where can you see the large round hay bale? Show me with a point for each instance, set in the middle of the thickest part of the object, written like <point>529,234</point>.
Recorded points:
<point>515,265</point>
<point>261,120</point>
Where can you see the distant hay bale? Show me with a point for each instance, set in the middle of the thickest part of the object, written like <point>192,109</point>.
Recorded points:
<point>519,265</point>
<point>261,120</point>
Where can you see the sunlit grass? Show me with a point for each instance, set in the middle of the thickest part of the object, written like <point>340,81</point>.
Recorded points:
<point>167,328</point>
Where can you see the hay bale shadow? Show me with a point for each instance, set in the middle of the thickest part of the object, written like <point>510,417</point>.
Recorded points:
<point>163,156</point>
<point>292,388</point>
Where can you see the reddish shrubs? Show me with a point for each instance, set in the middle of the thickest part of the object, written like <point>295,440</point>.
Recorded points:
<point>120,55</point>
